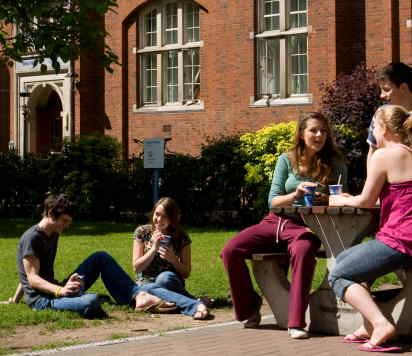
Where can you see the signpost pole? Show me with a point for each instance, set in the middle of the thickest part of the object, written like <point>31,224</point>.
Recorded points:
<point>154,152</point>
<point>156,181</point>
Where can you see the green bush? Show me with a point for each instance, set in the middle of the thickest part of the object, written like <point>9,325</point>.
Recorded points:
<point>261,151</point>
<point>89,166</point>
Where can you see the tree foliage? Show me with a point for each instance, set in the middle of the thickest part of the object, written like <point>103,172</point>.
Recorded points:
<point>350,102</point>
<point>54,29</point>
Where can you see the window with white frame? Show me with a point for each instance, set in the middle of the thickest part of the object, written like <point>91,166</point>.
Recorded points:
<point>282,49</point>
<point>169,50</point>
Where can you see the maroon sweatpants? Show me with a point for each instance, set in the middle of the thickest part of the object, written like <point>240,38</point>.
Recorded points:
<point>301,244</point>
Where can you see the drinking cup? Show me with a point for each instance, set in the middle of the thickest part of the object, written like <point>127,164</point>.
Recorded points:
<point>165,240</point>
<point>308,197</point>
<point>335,189</point>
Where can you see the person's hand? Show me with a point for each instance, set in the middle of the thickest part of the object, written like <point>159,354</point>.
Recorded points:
<point>301,190</point>
<point>167,254</point>
<point>320,198</point>
<point>337,200</point>
<point>8,301</point>
<point>72,286</point>
<point>157,236</point>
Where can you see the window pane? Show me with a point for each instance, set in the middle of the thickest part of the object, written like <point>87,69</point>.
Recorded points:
<point>298,13</point>
<point>171,76</point>
<point>298,66</point>
<point>271,14</point>
<point>149,64</point>
<point>171,24</point>
<point>191,75</point>
<point>191,23</point>
<point>269,66</point>
<point>150,29</point>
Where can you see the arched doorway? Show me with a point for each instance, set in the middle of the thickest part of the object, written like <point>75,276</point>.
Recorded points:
<point>49,125</point>
<point>46,127</point>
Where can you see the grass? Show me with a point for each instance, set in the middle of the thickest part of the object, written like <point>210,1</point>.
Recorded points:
<point>207,278</point>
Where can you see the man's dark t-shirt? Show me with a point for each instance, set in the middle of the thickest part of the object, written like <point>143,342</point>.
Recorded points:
<point>35,242</point>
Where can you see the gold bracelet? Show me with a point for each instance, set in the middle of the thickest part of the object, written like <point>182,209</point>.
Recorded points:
<point>57,292</point>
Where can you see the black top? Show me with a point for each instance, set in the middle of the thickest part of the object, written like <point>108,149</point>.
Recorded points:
<point>35,242</point>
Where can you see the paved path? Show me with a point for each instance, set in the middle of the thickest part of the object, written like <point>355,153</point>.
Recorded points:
<point>222,339</point>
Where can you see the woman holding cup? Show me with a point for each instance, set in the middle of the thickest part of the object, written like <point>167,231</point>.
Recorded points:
<point>314,161</point>
<point>162,256</point>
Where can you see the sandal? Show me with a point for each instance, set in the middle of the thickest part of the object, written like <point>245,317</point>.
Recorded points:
<point>149,303</point>
<point>201,313</point>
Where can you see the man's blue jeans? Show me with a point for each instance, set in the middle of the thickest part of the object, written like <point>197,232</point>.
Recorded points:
<point>118,283</point>
<point>364,263</point>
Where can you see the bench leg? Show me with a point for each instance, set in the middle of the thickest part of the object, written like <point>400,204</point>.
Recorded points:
<point>274,285</point>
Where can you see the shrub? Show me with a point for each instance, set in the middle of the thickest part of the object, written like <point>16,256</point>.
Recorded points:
<point>350,102</point>
<point>261,151</point>
<point>89,166</point>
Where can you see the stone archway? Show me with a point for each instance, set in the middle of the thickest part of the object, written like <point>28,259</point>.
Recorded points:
<point>46,123</point>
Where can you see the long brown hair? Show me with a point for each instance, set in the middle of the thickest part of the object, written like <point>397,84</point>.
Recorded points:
<point>321,166</point>
<point>173,213</point>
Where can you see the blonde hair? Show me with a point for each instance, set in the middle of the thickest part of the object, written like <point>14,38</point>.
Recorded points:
<point>397,120</point>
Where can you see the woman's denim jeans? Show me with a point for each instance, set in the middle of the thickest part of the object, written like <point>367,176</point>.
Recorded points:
<point>118,283</point>
<point>364,263</point>
<point>170,286</point>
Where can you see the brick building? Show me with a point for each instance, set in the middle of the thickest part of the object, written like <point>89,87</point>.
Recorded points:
<point>197,69</point>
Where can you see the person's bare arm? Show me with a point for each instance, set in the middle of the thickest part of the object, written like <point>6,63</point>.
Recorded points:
<point>288,199</point>
<point>182,263</point>
<point>377,175</point>
<point>372,149</point>
<point>32,267</point>
<point>18,294</point>
<point>141,260</point>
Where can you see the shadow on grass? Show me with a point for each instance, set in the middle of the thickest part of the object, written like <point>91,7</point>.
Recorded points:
<point>14,228</point>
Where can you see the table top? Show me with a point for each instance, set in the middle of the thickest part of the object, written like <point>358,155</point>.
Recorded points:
<point>324,209</point>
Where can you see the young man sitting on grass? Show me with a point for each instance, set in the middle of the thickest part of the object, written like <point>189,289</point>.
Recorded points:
<point>35,262</point>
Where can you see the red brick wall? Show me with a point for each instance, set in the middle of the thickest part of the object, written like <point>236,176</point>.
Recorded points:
<point>5,101</point>
<point>227,76</point>
<point>405,33</point>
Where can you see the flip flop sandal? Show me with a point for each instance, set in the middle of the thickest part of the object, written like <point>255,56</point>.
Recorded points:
<point>163,307</point>
<point>368,347</point>
<point>355,339</point>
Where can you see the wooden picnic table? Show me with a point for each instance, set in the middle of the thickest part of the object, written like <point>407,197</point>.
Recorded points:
<point>338,228</point>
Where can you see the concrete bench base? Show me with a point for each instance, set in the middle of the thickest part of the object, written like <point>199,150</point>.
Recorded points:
<point>326,314</point>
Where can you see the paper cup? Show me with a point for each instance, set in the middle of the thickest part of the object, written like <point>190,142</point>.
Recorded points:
<point>335,189</point>
<point>165,240</point>
<point>308,197</point>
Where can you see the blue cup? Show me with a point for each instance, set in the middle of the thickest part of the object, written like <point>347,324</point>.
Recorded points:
<point>335,189</point>
<point>165,240</point>
<point>308,197</point>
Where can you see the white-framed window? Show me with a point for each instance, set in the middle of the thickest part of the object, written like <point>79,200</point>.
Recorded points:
<point>282,50</point>
<point>169,54</point>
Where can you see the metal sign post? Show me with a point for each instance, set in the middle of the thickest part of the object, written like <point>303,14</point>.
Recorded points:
<point>154,158</point>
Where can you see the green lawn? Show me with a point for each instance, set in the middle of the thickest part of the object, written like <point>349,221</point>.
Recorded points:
<point>207,278</point>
